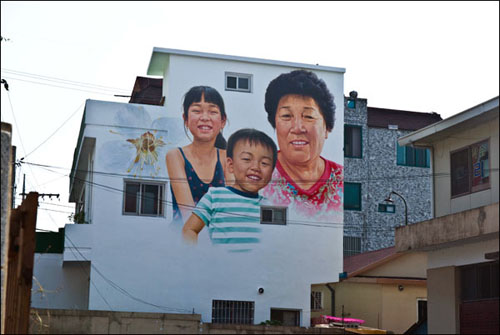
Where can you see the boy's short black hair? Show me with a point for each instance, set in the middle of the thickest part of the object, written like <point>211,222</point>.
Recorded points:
<point>253,136</point>
<point>304,83</point>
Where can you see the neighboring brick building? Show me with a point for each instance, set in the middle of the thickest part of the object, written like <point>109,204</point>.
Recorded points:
<point>374,166</point>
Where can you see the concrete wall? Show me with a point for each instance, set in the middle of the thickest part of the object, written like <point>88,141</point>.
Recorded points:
<point>443,300</point>
<point>454,229</point>
<point>49,321</point>
<point>59,285</point>
<point>444,203</point>
<point>379,174</point>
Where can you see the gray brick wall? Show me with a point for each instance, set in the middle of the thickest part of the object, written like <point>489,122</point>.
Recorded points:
<point>379,174</point>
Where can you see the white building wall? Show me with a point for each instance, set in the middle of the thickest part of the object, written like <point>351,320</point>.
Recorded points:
<point>59,285</point>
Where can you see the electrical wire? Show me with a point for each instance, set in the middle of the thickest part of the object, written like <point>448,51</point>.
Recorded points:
<point>122,290</point>
<point>352,227</point>
<point>43,142</point>
<point>64,81</point>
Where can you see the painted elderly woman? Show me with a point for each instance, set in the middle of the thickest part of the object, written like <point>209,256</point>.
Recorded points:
<point>301,109</point>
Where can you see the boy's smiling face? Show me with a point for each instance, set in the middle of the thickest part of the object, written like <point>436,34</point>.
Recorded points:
<point>252,166</point>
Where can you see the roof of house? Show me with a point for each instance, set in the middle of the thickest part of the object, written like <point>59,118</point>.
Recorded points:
<point>484,112</point>
<point>359,263</point>
<point>405,120</point>
<point>159,61</point>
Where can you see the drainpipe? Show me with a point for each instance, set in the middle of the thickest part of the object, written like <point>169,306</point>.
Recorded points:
<point>332,291</point>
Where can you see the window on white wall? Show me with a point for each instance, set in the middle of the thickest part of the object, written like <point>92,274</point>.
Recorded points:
<point>238,82</point>
<point>273,215</point>
<point>233,312</point>
<point>143,198</point>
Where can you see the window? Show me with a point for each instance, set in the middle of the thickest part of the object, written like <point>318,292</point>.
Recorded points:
<point>352,245</point>
<point>273,215</point>
<point>351,103</point>
<point>143,198</point>
<point>238,82</point>
<point>232,312</point>
<point>421,310</point>
<point>409,156</point>
<point>316,300</point>
<point>386,208</point>
<point>352,196</point>
<point>352,141</point>
<point>479,281</point>
<point>470,170</point>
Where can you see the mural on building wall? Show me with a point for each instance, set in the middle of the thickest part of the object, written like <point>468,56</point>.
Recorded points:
<point>216,193</point>
<point>297,179</point>
<point>142,142</point>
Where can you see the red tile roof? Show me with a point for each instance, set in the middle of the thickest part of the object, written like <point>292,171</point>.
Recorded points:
<point>405,120</point>
<point>361,262</point>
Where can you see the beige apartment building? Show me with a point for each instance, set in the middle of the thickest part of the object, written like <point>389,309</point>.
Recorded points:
<point>461,240</point>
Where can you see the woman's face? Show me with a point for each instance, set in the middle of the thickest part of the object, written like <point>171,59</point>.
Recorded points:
<point>300,128</point>
<point>204,120</point>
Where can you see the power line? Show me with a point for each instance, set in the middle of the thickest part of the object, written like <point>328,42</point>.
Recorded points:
<point>73,114</point>
<point>65,87</point>
<point>120,289</point>
<point>64,81</point>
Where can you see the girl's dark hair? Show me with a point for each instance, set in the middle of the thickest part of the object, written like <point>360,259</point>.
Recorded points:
<point>254,137</point>
<point>210,95</point>
<point>300,82</point>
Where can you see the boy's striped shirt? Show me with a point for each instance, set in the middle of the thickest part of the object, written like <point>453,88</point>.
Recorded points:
<point>232,217</point>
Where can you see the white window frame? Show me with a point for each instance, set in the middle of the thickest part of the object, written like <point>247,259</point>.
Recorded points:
<point>238,76</point>
<point>161,197</point>
<point>274,209</point>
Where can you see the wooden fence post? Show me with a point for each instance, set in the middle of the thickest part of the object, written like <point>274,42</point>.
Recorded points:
<point>21,250</point>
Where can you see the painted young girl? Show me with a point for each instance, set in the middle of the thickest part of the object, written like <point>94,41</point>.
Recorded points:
<point>199,165</point>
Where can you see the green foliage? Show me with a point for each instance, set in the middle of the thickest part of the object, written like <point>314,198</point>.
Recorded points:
<point>271,323</point>
<point>78,217</point>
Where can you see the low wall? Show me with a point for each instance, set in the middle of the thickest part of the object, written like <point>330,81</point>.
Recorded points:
<point>64,321</point>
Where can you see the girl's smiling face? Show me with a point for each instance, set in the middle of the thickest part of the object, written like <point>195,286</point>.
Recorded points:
<point>204,120</point>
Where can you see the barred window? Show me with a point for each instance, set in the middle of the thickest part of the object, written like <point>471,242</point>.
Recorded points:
<point>232,312</point>
<point>352,245</point>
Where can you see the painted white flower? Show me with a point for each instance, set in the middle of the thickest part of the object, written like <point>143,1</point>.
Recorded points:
<point>142,142</point>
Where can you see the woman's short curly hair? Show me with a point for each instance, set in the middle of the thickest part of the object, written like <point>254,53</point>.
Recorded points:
<point>300,82</point>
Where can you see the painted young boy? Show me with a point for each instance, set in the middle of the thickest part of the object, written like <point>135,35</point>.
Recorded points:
<point>232,213</point>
